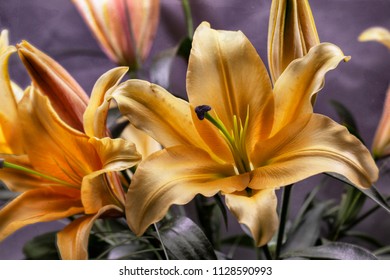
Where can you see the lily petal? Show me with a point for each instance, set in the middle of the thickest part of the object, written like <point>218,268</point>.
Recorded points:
<point>57,149</point>
<point>39,205</point>
<point>226,73</point>
<point>99,189</point>
<point>145,144</point>
<point>152,109</point>
<point>10,134</point>
<point>72,241</point>
<point>257,212</point>
<point>377,33</point>
<point>300,151</point>
<point>95,115</point>
<point>66,95</point>
<point>300,81</point>
<point>174,176</point>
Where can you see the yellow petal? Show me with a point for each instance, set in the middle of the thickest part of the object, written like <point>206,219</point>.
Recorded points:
<point>54,148</point>
<point>152,109</point>
<point>291,33</point>
<point>66,95</point>
<point>39,205</point>
<point>10,134</point>
<point>379,34</point>
<point>95,115</point>
<point>300,81</point>
<point>226,73</point>
<point>257,212</point>
<point>300,151</point>
<point>72,241</point>
<point>381,143</point>
<point>100,189</point>
<point>145,144</point>
<point>174,176</point>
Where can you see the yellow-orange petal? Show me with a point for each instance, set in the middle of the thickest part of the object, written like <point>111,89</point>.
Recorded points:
<point>10,133</point>
<point>72,241</point>
<point>226,73</point>
<point>53,147</point>
<point>95,116</point>
<point>304,77</point>
<point>174,176</point>
<point>303,150</point>
<point>152,109</point>
<point>39,205</point>
<point>145,144</point>
<point>102,187</point>
<point>257,212</point>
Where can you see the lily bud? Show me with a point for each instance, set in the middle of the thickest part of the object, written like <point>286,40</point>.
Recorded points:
<point>381,143</point>
<point>66,95</point>
<point>125,29</point>
<point>291,33</point>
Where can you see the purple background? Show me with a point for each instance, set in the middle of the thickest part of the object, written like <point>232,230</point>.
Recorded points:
<point>56,28</point>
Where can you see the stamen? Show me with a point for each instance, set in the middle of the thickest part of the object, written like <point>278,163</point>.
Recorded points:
<point>4,164</point>
<point>201,111</point>
<point>235,139</point>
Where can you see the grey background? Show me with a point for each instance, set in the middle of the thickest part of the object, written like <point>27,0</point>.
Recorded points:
<point>56,28</point>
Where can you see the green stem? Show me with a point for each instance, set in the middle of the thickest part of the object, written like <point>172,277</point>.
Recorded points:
<point>188,16</point>
<point>36,173</point>
<point>283,218</point>
<point>162,243</point>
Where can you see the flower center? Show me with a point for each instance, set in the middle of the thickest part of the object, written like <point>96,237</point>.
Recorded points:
<point>235,138</point>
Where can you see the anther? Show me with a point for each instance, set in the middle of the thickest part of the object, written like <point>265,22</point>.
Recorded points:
<point>201,111</point>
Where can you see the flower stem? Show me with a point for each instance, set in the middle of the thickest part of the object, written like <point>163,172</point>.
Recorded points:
<point>283,218</point>
<point>162,243</point>
<point>188,16</point>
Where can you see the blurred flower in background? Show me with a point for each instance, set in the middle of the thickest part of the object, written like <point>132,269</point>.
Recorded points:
<point>125,29</point>
<point>381,142</point>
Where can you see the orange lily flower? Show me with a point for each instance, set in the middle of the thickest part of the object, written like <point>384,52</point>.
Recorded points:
<point>74,172</point>
<point>291,33</point>
<point>237,135</point>
<point>125,29</point>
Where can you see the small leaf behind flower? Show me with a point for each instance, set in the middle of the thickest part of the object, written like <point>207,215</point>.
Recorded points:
<point>184,240</point>
<point>332,251</point>
<point>371,192</point>
<point>42,247</point>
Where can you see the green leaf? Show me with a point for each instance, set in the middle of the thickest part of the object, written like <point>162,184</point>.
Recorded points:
<point>42,247</point>
<point>308,231</point>
<point>184,240</point>
<point>371,192</point>
<point>160,71</point>
<point>332,251</point>
<point>346,118</point>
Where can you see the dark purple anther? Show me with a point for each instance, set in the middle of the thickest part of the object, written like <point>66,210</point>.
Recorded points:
<point>202,110</point>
